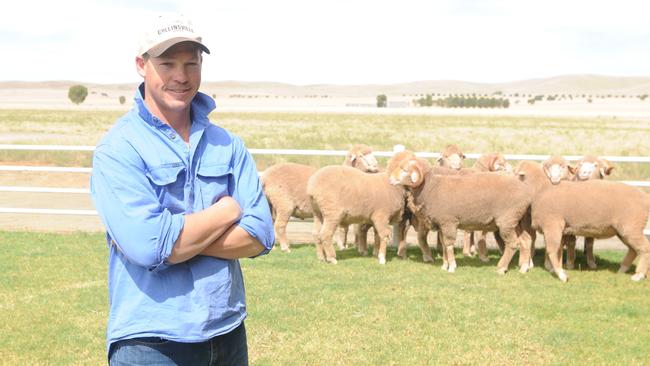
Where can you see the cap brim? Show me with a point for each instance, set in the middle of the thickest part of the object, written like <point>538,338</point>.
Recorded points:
<point>160,48</point>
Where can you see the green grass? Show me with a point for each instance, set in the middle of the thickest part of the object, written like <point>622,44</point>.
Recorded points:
<point>53,309</point>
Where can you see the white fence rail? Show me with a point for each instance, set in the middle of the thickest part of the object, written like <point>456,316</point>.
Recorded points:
<point>635,159</point>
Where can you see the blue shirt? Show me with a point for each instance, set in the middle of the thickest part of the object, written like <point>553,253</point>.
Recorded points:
<point>145,179</point>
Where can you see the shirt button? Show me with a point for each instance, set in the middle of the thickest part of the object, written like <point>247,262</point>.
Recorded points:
<point>172,136</point>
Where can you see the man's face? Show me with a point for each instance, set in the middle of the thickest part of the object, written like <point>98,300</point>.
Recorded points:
<point>172,79</point>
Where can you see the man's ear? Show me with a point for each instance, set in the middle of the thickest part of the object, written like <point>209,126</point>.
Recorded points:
<point>140,65</point>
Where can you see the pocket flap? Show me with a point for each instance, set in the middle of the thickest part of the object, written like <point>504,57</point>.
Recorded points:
<point>215,170</point>
<point>165,174</point>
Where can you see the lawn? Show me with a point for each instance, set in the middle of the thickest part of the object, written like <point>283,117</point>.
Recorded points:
<point>53,309</point>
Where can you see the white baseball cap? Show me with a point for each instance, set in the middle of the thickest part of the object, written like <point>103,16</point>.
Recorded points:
<point>166,31</point>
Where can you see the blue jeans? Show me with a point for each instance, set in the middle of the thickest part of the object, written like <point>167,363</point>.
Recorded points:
<point>226,349</point>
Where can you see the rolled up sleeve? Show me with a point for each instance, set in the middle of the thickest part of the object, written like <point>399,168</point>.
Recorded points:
<point>143,231</point>
<point>247,190</point>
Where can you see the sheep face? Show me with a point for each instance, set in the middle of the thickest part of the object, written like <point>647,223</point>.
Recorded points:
<point>451,158</point>
<point>361,157</point>
<point>409,173</point>
<point>498,163</point>
<point>591,167</point>
<point>557,169</point>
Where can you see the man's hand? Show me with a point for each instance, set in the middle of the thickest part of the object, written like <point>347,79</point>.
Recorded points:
<point>204,227</point>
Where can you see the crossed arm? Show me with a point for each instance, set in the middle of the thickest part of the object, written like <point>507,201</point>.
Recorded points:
<point>212,232</point>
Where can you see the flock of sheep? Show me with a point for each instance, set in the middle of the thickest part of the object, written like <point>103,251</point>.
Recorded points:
<point>553,198</point>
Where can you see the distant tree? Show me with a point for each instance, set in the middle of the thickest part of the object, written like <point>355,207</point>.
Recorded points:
<point>382,101</point>
<point>122,99</point>
<point>77,94</point>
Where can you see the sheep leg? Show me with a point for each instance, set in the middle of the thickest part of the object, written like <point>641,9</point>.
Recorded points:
<point>376,238</point>
<point>342,238</point>
<point>641,246</point>
<point>441,249</point>
<point>481,245</point>
<point>570,242</point>
<point>553,239</point>
<point>589,252</point>
<point>628,260</point>
<point>525,237</point>
<point>402,231</point>
<point>468,243</point>
<point>362,239</point>
<point>382,236</point>
<point>325,238</point>
<point>318,223</point>
<point>509,236</point>
<point>448,236</point>
<point>422,232</point>
<point>280,226</point>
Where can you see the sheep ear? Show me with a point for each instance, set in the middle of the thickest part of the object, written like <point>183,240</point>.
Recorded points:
<point>439,158</point>
<point>462,156</point>
<point>521,175</point>
<point>545,168</point>
<point>493,162</point>
<point>572,170</point>
<point>607,167</point>
<point>351,158</point>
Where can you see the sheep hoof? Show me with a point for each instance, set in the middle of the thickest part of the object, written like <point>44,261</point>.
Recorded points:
<point>531,264</point>
<point>523,269</point>
<point>286,250</point>
<point>332,261</point>
<point>623,269</point>
<point>562,276</point>
<point>382,260</point>
<point>444,267</point>
<point>502,270</point>
<point>637,277</point>
<point>592,265</point>
<point>451,270</point>
<point>484,259</point>
<point>570,265</point>
<point>427,259</point>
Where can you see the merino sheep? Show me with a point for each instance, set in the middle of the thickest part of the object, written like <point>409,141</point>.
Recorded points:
<point>410,219</point>
<point>285,187</point>
<point>480,201</point>
<point>594,208</point>
<point>589,167</point>
<point>492,162</point>
<point>451,157</point>
<point>342,195</point>
<point>553,170</point>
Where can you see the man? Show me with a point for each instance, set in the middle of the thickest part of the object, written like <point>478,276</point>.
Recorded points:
<point>181,202</point>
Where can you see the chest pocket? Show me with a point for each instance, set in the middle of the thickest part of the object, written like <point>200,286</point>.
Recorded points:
<point>168,182</point>
<point>213,182</point>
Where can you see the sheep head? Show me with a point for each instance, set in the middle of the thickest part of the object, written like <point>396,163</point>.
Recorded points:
<point>451,157</point>
<point>557,169</point>
<point>361,157</point>
<point>496,162</point>
<point>398,157</point>
<point>409,173</point>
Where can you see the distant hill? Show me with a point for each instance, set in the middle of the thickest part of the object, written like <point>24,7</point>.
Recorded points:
<point>566,84</point>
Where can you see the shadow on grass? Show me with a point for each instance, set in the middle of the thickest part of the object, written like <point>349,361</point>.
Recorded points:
<point>606,260</point>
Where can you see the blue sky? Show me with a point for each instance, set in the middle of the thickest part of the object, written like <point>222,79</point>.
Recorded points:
<point>335,41</point>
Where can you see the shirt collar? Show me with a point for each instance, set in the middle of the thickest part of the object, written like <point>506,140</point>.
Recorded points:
<point>200,108</point>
